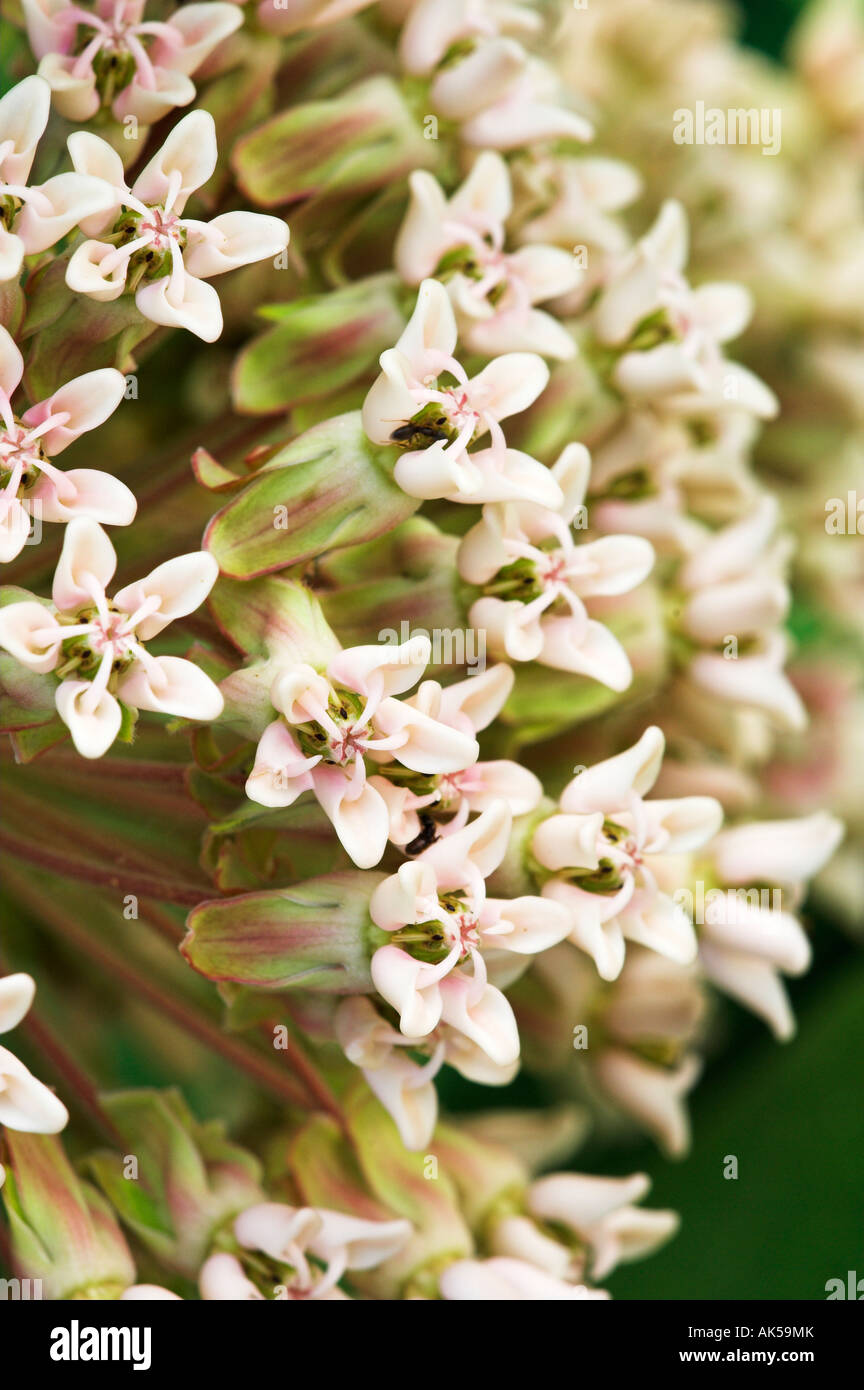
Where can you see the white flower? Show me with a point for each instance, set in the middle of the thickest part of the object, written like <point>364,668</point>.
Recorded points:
<point>112,56</point>
<point>734,589</point>
<point>536,578</point>
<point>437,905</point>
<point>145,244</point>
<point>342,1242</point>
<point>34,485</point>
<point>461,241</point>
<point>600,1214</point>
<point>746,943</point>
<point>331,723</point>
<point>608,849</point>
<point>33,218</point>
<point>448,418</point>
<point>467,706</point>
<point>96,644</point>
<point>679,362</point>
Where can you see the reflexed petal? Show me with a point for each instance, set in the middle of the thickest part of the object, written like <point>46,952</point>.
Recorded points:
<point>362,821</point>
<point>19,623</point>
<point>24,112</point>
<point>181,585</point>
<point>189,149</point>
<point>87,400</point>
<point>85,272</point>
<point>381,667</point>
<point>25,1104</point>
<point>63,202</point>
<point>93,730</point>
<point>487,1021</point>
<point>87,555</point>
<point>411,987</point>
<point>186,690</point>
<point>608,785</point>
<point>97,495</point>
<point>234,239</point>
<point>194,306</point>
<point>16,996</point>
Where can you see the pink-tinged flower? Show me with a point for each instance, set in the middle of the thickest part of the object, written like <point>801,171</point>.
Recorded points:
<point>536,578</point>
<point>33,219</point>
<point>747,941</point>
<point>144,245</point>
<point>503,1279</point>
<point>671,336</point>
<point>111,56</point>
<point>734,590</point>
<point>331,723</point>
<point>600,1214</point>
<point>467,706</point>
<point>653,1095</point>
<point>34,485</point>
<point>436,905</point>
<point>404,1087</point>
<point>521,102</point>
<point>25,1104</point>
<point>449,417</point>
<point>482,77</point>
<point>609,850</point>
<point>460,240</point>
<point>96,645</point>
<point>581,195</point>
<point>650,476</point>
<point>289,1235</point>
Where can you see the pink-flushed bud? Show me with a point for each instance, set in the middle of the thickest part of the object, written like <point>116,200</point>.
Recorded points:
<point>292,16</point>
<point>653,1096</point>
<point>62,1231</point>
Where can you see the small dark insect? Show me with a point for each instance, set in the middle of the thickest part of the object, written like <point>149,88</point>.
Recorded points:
<point>428,835</point>
<point>405,434</point>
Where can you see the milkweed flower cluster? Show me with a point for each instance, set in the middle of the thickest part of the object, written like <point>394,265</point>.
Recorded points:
<point>399,862</point>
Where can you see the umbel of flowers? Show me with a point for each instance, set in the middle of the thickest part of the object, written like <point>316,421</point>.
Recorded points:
<point>489,400</point>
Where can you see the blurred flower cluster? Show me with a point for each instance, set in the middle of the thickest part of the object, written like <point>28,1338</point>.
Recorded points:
<point>486,702</point>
